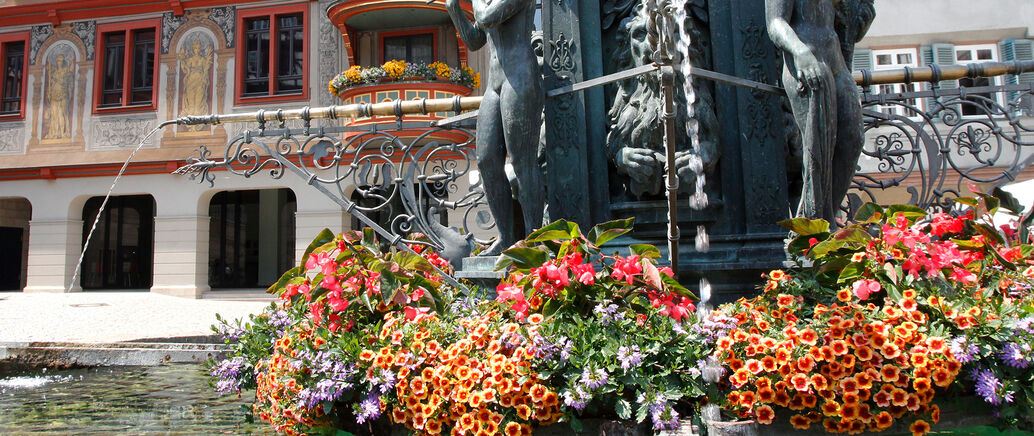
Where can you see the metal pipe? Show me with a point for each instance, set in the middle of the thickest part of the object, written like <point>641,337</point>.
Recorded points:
<point>388,108</point>
<point>671,177</point>
<point>937,73</point>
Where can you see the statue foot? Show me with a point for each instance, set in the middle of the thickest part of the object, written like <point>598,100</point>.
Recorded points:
<point>495,249</point>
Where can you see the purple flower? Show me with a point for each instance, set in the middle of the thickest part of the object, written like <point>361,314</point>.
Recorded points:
<point>607,312</point>
<point>577,399</point>
<point>629,356</point>
<point>990,387</point>
<point>368,409</point>
<point>963,350</point>
<point>664,417</point>
<point>229,373</point>
<point>1013,355</point>
<point>594,379</point>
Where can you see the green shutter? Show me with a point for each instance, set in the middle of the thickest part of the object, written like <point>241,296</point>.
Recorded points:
<point>861,60</point>
<point>944,54</point>
<point>1017,50</point>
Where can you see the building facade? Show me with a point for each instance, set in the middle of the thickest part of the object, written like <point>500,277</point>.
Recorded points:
<point>85,81</point>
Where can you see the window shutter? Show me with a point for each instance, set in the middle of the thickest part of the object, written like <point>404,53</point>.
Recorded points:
<point>1017,50</point>
<point>944,54</point>
<point>861,60</point>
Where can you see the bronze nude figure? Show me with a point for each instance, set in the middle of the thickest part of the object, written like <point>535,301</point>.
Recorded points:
<point>822,94</point>
<point>509,119</point>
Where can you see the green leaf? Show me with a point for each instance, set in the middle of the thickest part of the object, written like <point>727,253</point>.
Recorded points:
<point>823,248</point>
<point>674,285</point>
<point>524,257</point>
<point>278,287</point>
<point>802,243</point>
<point>851,272</point>
<point>343,433</point>
<point>412,261</point>
<point>557,230</point>
<point>605,232</point>
<point>805,226</point>
<point>623,409</point>
<point>645,250</point>
<point>389,285</point>
<point>640,413</point>
<point>989,232</point>
<point>325,236</point>
<point>912,213</point>
<point>370,241</point>
<point>853,234</point>
<point>1008,201</point>
<point>968,201</point>
<point>576,425</point>
<point>869,213</point>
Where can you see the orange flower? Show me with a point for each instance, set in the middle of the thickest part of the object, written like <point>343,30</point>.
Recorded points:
<point>754,366</point>
<point>766,395</point>
<point>538,393</point>
<point>849,411</point>
<point>747,398</point>
<point>899,398</point>
<point>819,382</point>
<point>800,382</point>
<point>764,415</point>
<point>777,274</point>
<point>919,428</point>
<point>784,300</point>
<point>830,408</point>
<point>884,420</point>
<point>844,295</point>
<point>769,363</point>
<point>942,377</point>
<point>800,422</point>
<point>535,318</point>
<point>935,413</point>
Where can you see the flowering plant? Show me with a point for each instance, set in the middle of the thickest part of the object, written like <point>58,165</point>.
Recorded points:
<point>614,331</point>
<point>931,279</point>
<point>396,70</point>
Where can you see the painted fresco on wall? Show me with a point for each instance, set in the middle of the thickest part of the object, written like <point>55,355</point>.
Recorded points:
<point>59,93</point>
<point>195,75</point>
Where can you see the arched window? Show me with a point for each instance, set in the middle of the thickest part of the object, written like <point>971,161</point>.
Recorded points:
<point>121,252</point>
<point>251,238</point>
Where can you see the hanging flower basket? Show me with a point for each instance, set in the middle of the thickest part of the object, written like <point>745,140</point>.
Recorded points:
<point>401,71</point>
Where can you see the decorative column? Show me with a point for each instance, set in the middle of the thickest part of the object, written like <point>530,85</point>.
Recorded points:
<point>54,248</point>
<point>181,255</point>
<point>566,157</point>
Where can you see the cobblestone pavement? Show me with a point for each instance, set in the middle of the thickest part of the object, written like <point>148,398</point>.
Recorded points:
<point>105,317</point>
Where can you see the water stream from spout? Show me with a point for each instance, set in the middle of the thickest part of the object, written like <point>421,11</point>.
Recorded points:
<point>698,200</point>
<point>86,244</point>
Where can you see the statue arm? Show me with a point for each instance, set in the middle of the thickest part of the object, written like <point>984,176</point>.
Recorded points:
<point>469,32</point>
<point>491,13</point>
<point>806,66</point>
<point>865,17</point>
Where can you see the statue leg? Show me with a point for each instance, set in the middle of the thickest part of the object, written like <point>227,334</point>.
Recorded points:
<point>850,137</point>
<point>491,155</point>
<point>813,112</point>
<point>521,126</point>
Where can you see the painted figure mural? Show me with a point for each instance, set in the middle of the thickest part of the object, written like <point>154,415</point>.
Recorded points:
<point>195,79</point>
<point>60,84</point>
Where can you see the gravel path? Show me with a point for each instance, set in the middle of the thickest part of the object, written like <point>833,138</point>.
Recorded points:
<point>104,317</point>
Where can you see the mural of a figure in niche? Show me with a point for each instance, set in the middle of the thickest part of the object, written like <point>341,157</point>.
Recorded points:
<point>195,60</point>
<point>635,142</point>
<point>60,84</point>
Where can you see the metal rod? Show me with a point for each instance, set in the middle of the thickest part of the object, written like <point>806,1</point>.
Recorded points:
<point>672,181</point>
<point>937,73</point>
<point>388,108</point>
<point>603,80</point>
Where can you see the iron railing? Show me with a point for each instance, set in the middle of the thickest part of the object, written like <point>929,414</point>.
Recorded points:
<point>934,143</point>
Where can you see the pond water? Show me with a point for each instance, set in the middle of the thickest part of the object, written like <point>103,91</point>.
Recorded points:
<point>169,399</point>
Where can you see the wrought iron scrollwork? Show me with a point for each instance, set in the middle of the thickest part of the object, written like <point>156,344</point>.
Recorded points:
<point>966,135</point>
<point>410,175</point>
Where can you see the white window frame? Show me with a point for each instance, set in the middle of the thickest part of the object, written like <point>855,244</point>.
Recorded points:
<point>995,56</point>
<point>900,87</point>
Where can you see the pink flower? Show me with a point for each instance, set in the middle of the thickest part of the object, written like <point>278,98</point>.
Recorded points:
<point>416,313</point>
<point>626,268</point>
<point>584,273</point>
<point>962,275</point>
<point>865,287</point>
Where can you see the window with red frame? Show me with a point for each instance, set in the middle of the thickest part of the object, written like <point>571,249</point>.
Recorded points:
<point>127,66</point>
<point>12,68</point>
<point>273,61</point>
<point>415,48</point>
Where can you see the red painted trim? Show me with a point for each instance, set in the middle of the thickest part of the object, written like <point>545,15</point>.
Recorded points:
<point>76,10</point>
<point>13,37</point>
<point>98,66</point>
<point>430,30</point>
<point>271,12</point>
